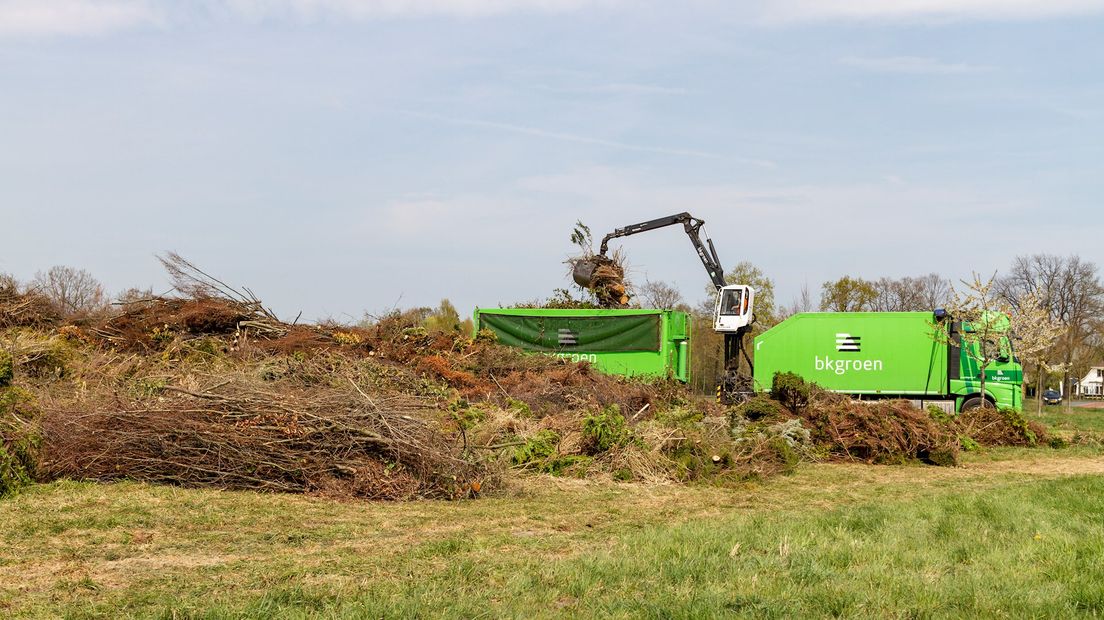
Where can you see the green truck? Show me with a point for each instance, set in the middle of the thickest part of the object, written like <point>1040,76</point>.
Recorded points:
<point>863,354</point>
<point>887,355</point>
<point>630,342</point>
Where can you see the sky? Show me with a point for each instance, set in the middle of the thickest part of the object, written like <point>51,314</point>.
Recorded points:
<point>348,156</point>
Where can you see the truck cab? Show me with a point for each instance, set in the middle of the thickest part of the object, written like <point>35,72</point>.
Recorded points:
<point>1003,376</point>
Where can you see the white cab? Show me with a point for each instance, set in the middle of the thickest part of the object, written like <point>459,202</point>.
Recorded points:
<point>735,305</point>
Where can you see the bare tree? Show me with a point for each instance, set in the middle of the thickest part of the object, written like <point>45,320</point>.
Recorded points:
<point>886,295</point>
<point>659,295</point>
<point>911,294</point>
<point>803,302</point>
<point>932,291</point>
<point>1071,290</point>
<point>71,290</point>
<point>9,285</point>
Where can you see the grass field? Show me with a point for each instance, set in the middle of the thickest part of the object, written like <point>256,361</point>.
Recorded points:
<point>1014,533</point>
<point>1083,419</point>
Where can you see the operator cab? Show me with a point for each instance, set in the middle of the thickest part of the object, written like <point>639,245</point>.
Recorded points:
<point>735,305</point>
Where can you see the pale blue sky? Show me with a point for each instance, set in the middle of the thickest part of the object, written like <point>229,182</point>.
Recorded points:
<point>339,156</point>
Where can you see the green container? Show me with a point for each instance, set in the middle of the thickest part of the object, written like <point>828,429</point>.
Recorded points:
<point>881,354</point>
<point>640,343</point>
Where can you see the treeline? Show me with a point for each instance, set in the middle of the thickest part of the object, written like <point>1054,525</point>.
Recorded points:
<point>1071,291</point>
<point>65,292</point>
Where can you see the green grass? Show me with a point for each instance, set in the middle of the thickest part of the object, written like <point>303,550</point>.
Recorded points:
<point>1013,534</point>
<point>1079,419</point>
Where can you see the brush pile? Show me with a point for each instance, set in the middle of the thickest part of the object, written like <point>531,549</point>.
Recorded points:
<point>25,309</point>
<point>285,434</point>
<point>208,388</point>
<point>887,431</point>
<point>890,431</point>
<point>993,427</point>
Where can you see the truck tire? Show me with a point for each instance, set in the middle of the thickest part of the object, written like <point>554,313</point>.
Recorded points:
<point>974,402</point>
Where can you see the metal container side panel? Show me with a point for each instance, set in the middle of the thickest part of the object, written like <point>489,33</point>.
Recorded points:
<point>659,363</point>
<point>631,364</point>
<point>675,344</point>
<point>679,324</point>
<point>856,352</point>
<point>684,337</point>
<point>580,312</point>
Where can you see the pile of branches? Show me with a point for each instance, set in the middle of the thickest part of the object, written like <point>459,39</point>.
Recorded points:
<point>606,278</point>
<point>603,275</point>
<point>989,426</point>
<point>889,431</point>
<point>202,306</point>
<point>205,306</point>
<point>26,308</point>
<point>882,431</point>
<point>561,386</point>
<point>334,439</point>
<point>362,412</point>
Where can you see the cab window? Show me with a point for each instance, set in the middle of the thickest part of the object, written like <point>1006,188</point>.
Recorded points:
<point>733,303</point>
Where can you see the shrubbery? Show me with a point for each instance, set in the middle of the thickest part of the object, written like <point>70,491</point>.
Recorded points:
<point>605,430</point>
<point>7,369</point>
<point>790,390</point>
<point>18,441</point>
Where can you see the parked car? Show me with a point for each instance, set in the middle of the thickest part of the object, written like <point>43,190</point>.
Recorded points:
<point>1052,397</point>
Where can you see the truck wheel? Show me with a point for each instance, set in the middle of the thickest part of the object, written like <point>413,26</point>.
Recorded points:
<point>974,402</point>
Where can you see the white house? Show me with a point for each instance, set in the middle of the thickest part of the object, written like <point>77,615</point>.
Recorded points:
<point>1092,385</point>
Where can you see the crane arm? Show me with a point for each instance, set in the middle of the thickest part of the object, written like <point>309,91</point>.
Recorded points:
<point>692,225</point>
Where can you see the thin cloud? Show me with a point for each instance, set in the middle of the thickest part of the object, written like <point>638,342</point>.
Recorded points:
<point>617,88</point>
<point>85,17</point>
<point>73,17</point>
<point>94,17</point>
<point>564,137</point>
<point>581,139</point>
<point>784,11</point>
<point>360,9</point>
<point>913,65</point>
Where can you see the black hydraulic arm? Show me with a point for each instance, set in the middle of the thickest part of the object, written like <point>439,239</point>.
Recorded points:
<point>692,225</point>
